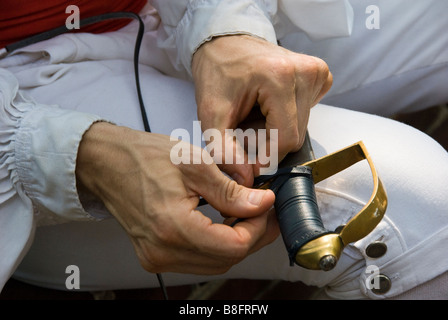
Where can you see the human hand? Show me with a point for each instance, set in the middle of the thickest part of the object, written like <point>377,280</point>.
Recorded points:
<point>234,73</point>
<point>155,201</point>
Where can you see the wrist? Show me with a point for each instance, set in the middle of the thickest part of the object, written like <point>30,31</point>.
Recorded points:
<point>98,144</point>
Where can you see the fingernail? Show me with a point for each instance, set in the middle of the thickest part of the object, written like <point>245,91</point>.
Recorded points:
<point>255,197</point>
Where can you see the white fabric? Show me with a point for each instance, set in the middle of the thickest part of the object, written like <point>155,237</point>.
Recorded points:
<point>188,24</point>
<point>91,78</point>
<point>398,67</point>
<point>402,66</point>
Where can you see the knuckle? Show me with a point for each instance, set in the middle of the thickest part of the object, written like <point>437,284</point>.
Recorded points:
<point>284,66</point>
<point>231,191</point>
<point>279,68</point>
<point>321,65</point>
<point>240,255</point>
<point>316,68</point>
<point>240,252</point>
<point>284,70</point>
<point>316,64</point>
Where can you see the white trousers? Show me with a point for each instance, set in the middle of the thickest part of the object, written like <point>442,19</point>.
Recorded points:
<point>94,74</point>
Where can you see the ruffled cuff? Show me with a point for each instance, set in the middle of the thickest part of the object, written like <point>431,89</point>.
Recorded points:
<point>38,150</point>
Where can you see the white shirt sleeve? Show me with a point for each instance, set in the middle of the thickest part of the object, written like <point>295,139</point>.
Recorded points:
<point>38,150</point>
<point>186,24</point>
<point>37,170</point>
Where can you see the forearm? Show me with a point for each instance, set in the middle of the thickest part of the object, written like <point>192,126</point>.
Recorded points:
<point>94,147</point>
<point>113,163</point>
<point>105,158</point>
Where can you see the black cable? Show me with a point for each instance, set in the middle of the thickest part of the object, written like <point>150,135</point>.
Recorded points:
<point>162,286</point>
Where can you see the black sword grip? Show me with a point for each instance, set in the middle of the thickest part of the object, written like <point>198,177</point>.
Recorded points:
<point>297,210</point>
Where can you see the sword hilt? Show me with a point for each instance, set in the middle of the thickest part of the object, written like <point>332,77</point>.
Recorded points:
<point>298,213</point>
<point>309,244</point>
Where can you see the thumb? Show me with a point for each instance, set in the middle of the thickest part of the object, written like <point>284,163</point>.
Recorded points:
<point>235,200</point>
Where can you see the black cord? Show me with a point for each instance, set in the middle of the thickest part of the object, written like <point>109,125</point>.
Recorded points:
<point>162,286</point>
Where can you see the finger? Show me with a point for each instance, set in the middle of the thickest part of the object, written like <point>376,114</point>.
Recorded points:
<point>280,110</point>
<point>181,260</point>
<point>325,87</point>
<point>200,246</point>
<point>271,232</point>
<point>225,144</point>
<point>231,198</point>
<point>234,159</point>
<point>197,245</point>
<point>226,244</point>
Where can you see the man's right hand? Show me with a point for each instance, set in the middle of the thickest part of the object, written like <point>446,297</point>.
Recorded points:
<point>155,201</point>
<point>233,73</point>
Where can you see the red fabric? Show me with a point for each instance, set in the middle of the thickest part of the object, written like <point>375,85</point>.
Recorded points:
<point>20,19</point>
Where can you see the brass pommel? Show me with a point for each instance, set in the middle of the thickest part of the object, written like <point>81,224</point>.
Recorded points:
<point>321,253</point>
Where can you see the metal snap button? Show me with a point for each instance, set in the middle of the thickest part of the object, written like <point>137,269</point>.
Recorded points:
<point>381,284</point>
<point>376,249</point>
